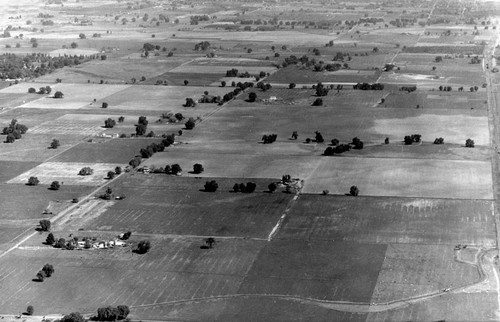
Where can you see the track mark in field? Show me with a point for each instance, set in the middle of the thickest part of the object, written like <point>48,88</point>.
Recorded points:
<point>278,225</point>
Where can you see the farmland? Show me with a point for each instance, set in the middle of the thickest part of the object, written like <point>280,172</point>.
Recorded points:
<point>258,222</point>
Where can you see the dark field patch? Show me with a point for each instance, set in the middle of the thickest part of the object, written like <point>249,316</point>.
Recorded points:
<point>325,270</point>
<point>112,151</point>
<point>9,170</point>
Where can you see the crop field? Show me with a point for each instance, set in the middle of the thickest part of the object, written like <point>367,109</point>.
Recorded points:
<point>67,173</point>
<point>403,177</point>
<point>435,100</point>
<point>109,151</point>
<point>161,98</point>
<point>326,270</point>
<point>192,211</point>
<point>173,270</point>
<point>10,169</point>
<point>221,69</point>
<point>391,220</point>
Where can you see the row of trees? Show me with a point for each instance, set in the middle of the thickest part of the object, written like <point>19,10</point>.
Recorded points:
<point>111,313</point>
<point>248,188</point>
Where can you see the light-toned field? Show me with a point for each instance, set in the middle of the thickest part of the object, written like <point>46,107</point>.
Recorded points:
<point>403,177</point>
<point>216,69</point>
<point>75,95</point>
<point>67,173</point>
<point>161,98</point>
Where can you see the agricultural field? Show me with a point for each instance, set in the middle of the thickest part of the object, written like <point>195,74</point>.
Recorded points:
<point>419,242</point>
<point>67,172</point>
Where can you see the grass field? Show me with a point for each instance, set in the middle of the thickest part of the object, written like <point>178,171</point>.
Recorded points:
<point>293,74</point>
<point>67,172</point>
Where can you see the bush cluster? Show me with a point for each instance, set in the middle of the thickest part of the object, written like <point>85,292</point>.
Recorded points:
<point>248,188</point>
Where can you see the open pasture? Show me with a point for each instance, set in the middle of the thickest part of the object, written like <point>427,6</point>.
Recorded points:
<point>391,220</point>
<point>75,95</point>
<point>194,78</point>
<point>109,151</point>
<point>324,270</point>
<point>403,177</point>
<point>435,100</point>
<point>192,211</point>
<point>292,74</point>
<point>67,173</point>
<point>174,269</point>
<point>239,165</point>
<point>11,169</point>
<point>15,206</point>
<point>248,122</point>
<point>35,147</point>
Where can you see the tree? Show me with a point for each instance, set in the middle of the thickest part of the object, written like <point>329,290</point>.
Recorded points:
<point>72,317</point>
<point>123,312</point>
<point>40,276</point>
<point>61,243</point>
<point>319,137</point>
<point>272,187</point>
<point>176,169</point>
<point>198,168</point>
<point>143,247</point>
<point>211,186</point>
<point>109,123</point>
<point>438,59</point>
<point>45,225</point>
<point>30,310</point>
<point>408,140</point>
<point>295,135</point>
<point>50,240</point>
<point>118,170</point>
<point>58,94</point>
<point>223,84</point>
<point>104,105</point>
<point>48,270</point>
<point>190,124</point>
<point>33,181</point>
<point>140,129</point>
<point>469,143</point>
<point>55,185</point>
<point>121,119</point>
<point>31,90</point>
<point>10,138</point>
<point>252,97</point>
<point>111,175</point>
<point>186,82</point>
<point>354,191</point>
<point>82,36</point>
<point>292,85</point>
<point>54,144</point>
<point>210,241</point>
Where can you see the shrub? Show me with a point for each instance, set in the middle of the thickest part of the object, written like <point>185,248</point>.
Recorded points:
<point>272,187</point>
<point>31,90</point>
<point>58,94</point>
<point>50,240</point>
<point>86,171</point>
<point>318,102</point>
<point>30,310</point>
<point>439,141</point>
<point>40,276</point>
<point>190,124</point>
<point>54,144</point>
<point>325,192</point>
<point>354,191</point>
<point>469,143</point>
<point>111,174</point>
